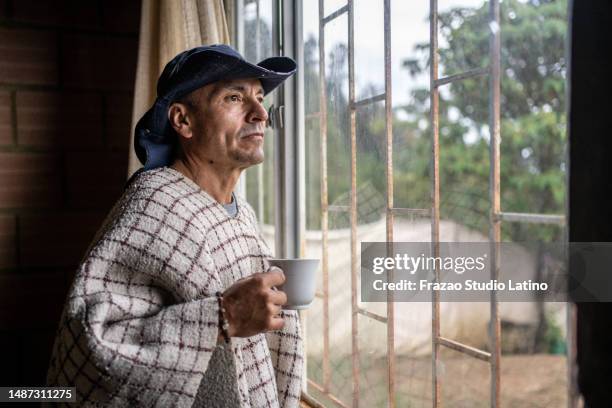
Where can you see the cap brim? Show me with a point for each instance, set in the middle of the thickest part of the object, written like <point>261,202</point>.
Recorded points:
<point>271,71</point>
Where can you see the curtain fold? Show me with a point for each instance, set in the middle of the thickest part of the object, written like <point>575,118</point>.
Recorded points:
<point>168,27</point>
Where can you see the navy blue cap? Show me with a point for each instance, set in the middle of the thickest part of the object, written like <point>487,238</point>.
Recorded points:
<point>154,138</point>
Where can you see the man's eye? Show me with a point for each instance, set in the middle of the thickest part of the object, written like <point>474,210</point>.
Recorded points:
<point>235,98</point>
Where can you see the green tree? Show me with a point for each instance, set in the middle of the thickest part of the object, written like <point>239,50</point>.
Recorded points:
<point>532,109</point>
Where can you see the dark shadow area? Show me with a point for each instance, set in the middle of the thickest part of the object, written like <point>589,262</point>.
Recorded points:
<point>66,86</point>
<point>590,200</point>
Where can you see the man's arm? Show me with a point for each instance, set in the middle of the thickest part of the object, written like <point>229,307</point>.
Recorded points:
<point>135,344</point>
<point>131,344</point>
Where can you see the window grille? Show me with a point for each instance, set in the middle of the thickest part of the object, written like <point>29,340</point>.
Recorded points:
<point>349,206</point>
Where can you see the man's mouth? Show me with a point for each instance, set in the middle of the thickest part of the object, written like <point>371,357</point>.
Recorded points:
<point>253,136</point>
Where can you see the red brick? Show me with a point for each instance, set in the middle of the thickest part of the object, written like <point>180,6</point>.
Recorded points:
<point>94,62</point>
<point>7,241</point>
<point>55,240</point>
<point>68,13</point>
<point>95,180</point>
<point>6,130</point>
<point>30,180</point>
<point>119,120</point>
<point>121,15</point>
<point>59,120</point>
<point>28,57</point>
<point>31,300</point>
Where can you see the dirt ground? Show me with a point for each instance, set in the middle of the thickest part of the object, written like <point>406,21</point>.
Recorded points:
<point>527,381</point>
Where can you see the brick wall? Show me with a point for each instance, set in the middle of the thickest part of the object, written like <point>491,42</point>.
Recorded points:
<point>66,80</point>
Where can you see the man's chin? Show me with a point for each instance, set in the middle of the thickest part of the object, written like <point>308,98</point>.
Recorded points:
<point>249,159</point>
<point>257,160</point>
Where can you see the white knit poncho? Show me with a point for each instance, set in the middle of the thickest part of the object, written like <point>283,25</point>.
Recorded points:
<point>141,320</point>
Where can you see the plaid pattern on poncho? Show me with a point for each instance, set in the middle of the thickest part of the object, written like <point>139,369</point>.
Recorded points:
<point>141,320</point>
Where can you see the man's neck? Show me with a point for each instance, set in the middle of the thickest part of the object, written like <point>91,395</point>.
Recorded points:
<point>217,181</point>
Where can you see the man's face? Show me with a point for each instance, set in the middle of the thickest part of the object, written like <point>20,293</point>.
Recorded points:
<point>228,123</point>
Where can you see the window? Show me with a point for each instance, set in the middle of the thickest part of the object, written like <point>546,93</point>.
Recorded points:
<point>368,90</point>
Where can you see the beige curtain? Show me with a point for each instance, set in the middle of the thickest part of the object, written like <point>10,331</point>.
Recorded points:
<point>168,27</point>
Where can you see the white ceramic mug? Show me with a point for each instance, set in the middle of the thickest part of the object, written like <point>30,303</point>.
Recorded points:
<point>300,281</point>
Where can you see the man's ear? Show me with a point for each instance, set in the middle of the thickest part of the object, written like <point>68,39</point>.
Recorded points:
<point>179,118</point>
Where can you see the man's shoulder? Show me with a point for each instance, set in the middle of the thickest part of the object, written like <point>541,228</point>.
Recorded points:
<point>159,196</point>
<point>165,189</point>
<point>160,182</point>
<point>156,207</point>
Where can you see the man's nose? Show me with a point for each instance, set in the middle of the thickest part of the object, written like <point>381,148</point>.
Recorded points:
<point>257,112</point>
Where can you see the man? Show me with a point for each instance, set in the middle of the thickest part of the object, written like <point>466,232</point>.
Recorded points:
<point>174,304</point>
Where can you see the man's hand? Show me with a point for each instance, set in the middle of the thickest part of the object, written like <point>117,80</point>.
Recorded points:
<point>253,306</point>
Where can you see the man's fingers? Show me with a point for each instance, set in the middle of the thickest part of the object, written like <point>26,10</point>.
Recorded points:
<point>274,310</point>
<point>274,268</point>
<point>274,277</point>
<point>275,323</point>
<point>278,297</point>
